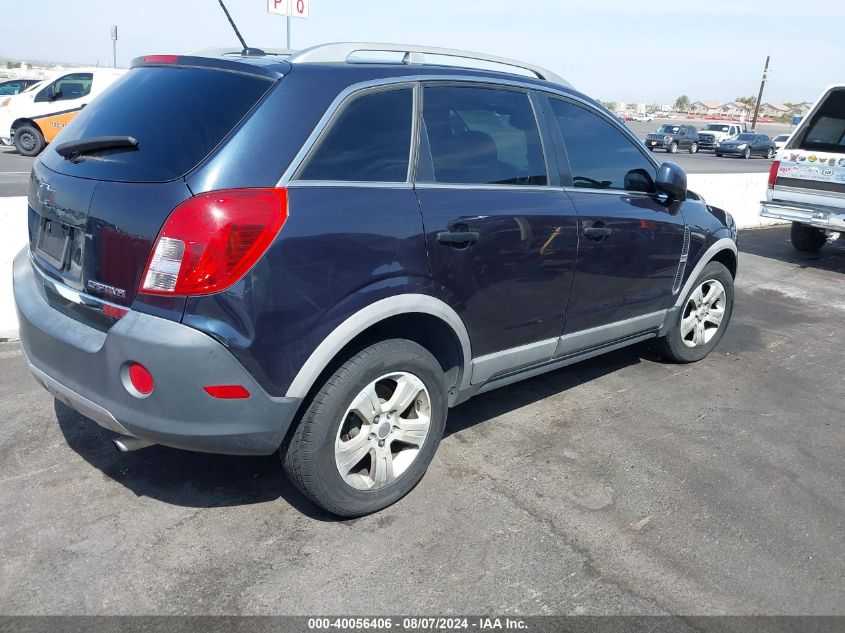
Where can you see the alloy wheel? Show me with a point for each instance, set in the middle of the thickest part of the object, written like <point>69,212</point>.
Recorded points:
<point>703,313</point>
<point>383,430</point>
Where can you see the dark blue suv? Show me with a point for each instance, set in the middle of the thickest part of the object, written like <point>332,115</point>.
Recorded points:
<point>320,254</point>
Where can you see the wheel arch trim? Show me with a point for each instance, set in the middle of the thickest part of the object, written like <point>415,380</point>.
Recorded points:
<point>370,316</point>
<point>717,247</point>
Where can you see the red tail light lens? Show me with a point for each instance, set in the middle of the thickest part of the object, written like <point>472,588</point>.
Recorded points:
<point>773,173</point>
<point>211,240</point>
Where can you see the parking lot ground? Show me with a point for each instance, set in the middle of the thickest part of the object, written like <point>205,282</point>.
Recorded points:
<point>14,172</point>
<point>620,485</point>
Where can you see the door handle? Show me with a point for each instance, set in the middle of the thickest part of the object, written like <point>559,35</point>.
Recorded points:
<point>597,231</point>
<point>457,238</point>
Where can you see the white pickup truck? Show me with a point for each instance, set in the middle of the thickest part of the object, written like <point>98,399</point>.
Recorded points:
<point>807,178</point>
<point>714,133</point>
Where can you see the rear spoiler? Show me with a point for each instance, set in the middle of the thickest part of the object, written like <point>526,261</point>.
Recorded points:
<point>265,67</point>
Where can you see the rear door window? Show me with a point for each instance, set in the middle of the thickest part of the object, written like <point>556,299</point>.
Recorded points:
<point>483,136</point>
<point>370,141</point>
<point>600,155</point>
<point>177,115</point>
<point>826,130</point>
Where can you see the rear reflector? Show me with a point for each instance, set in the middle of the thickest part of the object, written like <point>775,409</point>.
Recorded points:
<point>226,392</point>
<point>773,173</point>
<point>114,311</point>
<point>160,59</point>
<point>141,379</point>
<point>212,240</point>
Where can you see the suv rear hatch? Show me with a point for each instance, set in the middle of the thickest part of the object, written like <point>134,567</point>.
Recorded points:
<point>812,166</point>
<point>94,214</point>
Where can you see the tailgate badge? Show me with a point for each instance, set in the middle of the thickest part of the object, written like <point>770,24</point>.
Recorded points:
<point>46,194</point>
<point>106,289</point>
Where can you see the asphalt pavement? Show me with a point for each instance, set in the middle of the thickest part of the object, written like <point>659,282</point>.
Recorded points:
<point>14,172</point>
<point>620,485</point>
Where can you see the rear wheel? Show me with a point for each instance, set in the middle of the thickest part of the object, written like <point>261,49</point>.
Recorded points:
<point>29,141</point>
<point>808,239</point>
<point>673,148</point>
<point>703,318</point>
<point>370,432</point>
<point>693,148</point>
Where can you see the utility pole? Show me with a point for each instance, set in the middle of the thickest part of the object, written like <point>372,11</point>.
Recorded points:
<point>114,46</point>
<point>760,96</point>
<point>288,21</point>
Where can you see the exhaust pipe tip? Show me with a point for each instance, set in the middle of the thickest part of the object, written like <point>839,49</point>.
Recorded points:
<point>127,444</point>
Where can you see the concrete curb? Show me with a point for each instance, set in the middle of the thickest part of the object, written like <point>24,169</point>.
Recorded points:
<point>740,194</point>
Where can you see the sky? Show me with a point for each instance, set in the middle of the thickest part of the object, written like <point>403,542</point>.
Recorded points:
<point>616,50</point>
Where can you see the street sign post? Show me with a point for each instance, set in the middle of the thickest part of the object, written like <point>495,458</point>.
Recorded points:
<point>289,9</point>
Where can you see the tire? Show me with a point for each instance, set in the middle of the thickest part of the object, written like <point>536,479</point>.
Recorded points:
<point>770,153</point>
<point>806,238</point>
<point>311,456</point>
<point>747,153</point>
<point>718,155</point>
<point>693,148</point>
<point>684,347</point>
<point>673,148</point>
<point>29,141</point>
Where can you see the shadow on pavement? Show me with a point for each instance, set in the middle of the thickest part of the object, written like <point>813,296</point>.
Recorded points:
<point>183,478</point>
<point>774,243</point>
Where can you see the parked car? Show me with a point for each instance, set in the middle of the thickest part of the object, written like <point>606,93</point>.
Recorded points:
<point>34,118</point>
<point>780,140</point>
<point>807,180</point>
<point>15,86</point>
<point>714,133</point>
<point>321,294</point>
<point>673,137</point>
<point>747,144</point>
<point>643,118</point>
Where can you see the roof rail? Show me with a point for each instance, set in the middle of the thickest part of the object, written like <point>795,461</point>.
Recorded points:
<point>341,51</point>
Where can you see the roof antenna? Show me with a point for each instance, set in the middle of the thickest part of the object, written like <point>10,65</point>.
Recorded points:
<point>247,50</point>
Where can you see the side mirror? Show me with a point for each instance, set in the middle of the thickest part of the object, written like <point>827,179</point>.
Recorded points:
<point>672,180</point>
<point>50,93</point>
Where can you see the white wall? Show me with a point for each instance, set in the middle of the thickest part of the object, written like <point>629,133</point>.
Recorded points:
<point>13,237</point>
<point>739,194</point>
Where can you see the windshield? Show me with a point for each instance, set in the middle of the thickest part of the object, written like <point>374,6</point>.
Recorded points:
<point>782,137</point>
<point>669,129</point>
<point>717,128</point>
<point>746,137</point>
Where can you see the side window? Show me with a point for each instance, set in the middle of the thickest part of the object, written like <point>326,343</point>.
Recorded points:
<point>600,156</point>
<point>370,141</point>
<point>10,88</point>
<point>482,136</point>
<point>73,86</point>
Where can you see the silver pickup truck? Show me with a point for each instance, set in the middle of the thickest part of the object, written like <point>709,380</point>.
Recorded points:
<point>807,178</point>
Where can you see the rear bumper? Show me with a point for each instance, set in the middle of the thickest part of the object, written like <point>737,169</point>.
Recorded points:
<point>828,218</point>
<point>81,366</point>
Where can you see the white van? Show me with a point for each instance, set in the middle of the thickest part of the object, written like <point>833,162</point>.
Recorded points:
<point>34,118</point>
<point>807,178</point>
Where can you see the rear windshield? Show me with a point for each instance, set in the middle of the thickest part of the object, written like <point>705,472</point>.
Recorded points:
<point>826,130</point>
<point>177,115</point>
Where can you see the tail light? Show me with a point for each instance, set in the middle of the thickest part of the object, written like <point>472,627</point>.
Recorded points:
<point>773,173</point>
<point>211,240</point>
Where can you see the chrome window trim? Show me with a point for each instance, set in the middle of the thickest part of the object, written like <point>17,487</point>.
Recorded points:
<point>355,88</point>
<point>310,184</point>
<point>479,187</point>
<point>327,122</point>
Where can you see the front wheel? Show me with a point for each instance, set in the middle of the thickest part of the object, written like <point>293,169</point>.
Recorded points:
<point>369,433</point>
<point>718,155</point>
<point>808,239</point>
<point>673,148</point>
<point>29,141</point>
<point>770,153</point>
<point>747,153</point>
<point>704,316</point>
<point>693,148</point>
